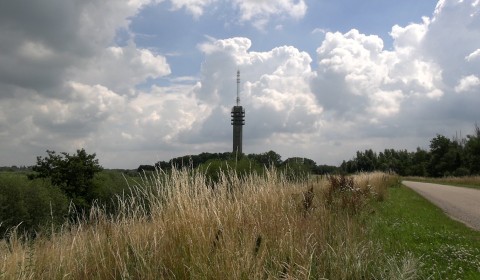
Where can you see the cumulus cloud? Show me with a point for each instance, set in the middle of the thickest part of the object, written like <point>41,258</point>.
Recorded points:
<point>275,89</point>
<point>468,83</point>
<point>120,68</point>
<point>358,78</point>
<point>55,36</point>
<point>63,76</point>
<point>408,92</point>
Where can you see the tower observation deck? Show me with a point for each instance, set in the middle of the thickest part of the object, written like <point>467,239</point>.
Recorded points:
<point>238,121</point>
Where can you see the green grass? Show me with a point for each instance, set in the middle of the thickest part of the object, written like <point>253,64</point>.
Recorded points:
<point>407,224</point>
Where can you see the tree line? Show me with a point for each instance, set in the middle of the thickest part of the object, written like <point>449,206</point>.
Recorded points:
<point>445,157</point>
<point>259,161</point>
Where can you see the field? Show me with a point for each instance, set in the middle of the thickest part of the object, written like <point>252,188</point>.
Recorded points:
<point>271,226</point>
<point>253,227</point>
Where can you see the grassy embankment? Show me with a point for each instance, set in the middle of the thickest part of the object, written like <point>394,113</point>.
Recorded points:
<point>256,227</point>
<point>407,224</point>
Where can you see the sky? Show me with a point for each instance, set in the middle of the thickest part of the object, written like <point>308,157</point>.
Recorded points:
<point>141,81</point>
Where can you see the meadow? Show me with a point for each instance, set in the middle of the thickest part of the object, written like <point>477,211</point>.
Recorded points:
<point>408,225</point>
<point>181,225</point>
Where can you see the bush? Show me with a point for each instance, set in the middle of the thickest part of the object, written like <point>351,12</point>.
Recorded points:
<point>31,206</point>
<point>461,172</point>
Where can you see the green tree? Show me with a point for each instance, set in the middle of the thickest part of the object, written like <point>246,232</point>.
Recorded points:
<point>446,156</point>
<point>420,160</point>
<point>366,161</point>
<point>267,159</point>
<point>73,174</point>
<point>472,151</point>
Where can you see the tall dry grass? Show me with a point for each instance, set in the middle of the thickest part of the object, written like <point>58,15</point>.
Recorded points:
<point>175,226</point>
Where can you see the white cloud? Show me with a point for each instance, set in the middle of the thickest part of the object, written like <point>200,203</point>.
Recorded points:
<point>409,92</point>
<point>195,7</point>
<point>257,12</point>
<point>473,56</point>
<point>121,68</point>
<point>319,30</point>
<point>275,89</point>
<point>468,83</point>
<point>358,79</point>
<point>160,115</point>
<point>253,9</point>
<point>81,114</point>
<point>64,76</point>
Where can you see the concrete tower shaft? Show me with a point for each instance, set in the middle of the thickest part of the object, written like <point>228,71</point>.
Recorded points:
<point>238,121</point>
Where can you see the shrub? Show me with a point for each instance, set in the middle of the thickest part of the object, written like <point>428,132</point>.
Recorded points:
<point>29,206</point>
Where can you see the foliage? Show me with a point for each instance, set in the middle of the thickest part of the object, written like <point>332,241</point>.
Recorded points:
<point>214,169</point>
<point>324,169</point>
<point>145,167</point>
<point>107,184</point>
<point>446,157</point>
<point>73,174</point>
<point>267,159</point>
<point>472,151</point>
<point>192,161</point>
<point>30,206</point>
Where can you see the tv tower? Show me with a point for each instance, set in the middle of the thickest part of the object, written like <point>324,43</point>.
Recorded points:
<point>238,121</point>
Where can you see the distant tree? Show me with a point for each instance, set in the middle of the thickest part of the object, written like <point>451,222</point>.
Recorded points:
<point>349,166</point>
<point>163,165</point>
<point>420,160</point>
<point>73,174</point>
<point>326,169</point>
<point>192,161</point>
<point>472,151</point>
<point>446,156</point>
<point>267,159</point>
<point>366,161</point>
<point>142,168</point>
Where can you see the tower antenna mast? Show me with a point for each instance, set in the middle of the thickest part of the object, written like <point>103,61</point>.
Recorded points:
<point>238,121</point>
<point>238,87</point>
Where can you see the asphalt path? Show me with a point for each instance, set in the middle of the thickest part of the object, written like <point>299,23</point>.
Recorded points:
<point>462,204</point>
